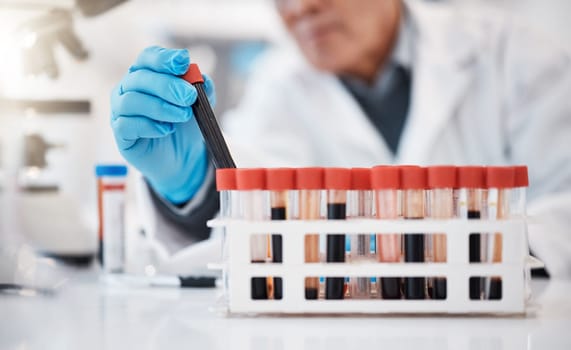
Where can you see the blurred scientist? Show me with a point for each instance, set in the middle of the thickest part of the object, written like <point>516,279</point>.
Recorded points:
<point>370,82</point>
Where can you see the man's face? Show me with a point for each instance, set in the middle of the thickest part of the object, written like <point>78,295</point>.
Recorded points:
<point>341,35</point>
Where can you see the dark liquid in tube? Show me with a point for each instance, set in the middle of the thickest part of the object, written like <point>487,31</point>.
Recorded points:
<point>390,287</point>
<point>414,252</point>
<point>277,254</point>
<point>495,288</point>
<point>334,286</point>
<point>259,286</point>
<point>476,284</point>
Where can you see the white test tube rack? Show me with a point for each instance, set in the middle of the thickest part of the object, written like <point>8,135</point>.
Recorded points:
<point>457,270</point>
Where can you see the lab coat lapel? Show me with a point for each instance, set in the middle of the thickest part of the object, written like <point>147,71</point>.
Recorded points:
<point>352,126</point>
<point>364,133</point>
<point>442,69</point>
<point>437,91</point>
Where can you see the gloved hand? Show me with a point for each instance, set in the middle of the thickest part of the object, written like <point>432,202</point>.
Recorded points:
<point>154,126</point>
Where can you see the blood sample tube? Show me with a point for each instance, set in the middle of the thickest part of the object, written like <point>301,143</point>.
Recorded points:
<point>414,183</point>
<point>206,120</point>
<point>521,182</point>
<point>111,181</point>
<point>309,183</point>
<point>441,182</point>
<point>385,180</point>
<point>280,182</point>
<point>471,181</point>
<point>499,181</point>
<point>254,206</point>
<point>337,183</point>
<point>361,203</point>
<point>226,185</point>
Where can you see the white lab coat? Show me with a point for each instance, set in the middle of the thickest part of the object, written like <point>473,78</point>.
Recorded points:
<point>485,91</point>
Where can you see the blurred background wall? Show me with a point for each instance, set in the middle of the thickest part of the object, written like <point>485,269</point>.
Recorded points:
<point>59,60</point>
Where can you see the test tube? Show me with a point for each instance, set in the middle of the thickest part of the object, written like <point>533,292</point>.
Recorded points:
<point>499,181</point>
<point>111,185</point>
<point>361,206</point>
<point>337,183</point>
<point>414,183</point>
<point>226,185</point>
<point>385,180</point>
<point>280,183</point>
<point>254,206</point>
<point>521,182</point>
<point>216,146</point>
<point>518,207</point>
<point>441,182</point>
<point>309,183</point>
<point>471,181</point>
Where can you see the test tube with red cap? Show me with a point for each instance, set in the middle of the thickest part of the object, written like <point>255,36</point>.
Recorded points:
<point>281,183</point>
<point>442,180</point>
<point>206,120</point>
<point>519,192</point>
<point>361,202</point>
<point>337,183</point>
<point>309,183</point>
<point>471,183</point>
<point>386,183</point>
<point>254,206</point>
<point>499,181</point>
<point>414,184</point>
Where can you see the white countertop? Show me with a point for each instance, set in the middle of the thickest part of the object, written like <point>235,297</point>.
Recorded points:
<point>88,314</point>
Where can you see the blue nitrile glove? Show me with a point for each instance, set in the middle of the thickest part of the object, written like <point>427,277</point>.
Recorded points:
<point>154,125</point>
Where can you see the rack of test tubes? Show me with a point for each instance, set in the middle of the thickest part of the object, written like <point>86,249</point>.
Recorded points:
<point>381,240</point>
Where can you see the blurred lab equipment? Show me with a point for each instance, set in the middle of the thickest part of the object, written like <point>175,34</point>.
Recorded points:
<point>34,167</point>
<point>91,8</point>
<point>45,215</point>
<point>38,206</point>
<point>40,35</point>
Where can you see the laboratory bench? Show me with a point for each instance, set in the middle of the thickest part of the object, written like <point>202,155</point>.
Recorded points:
<point>85,313</point>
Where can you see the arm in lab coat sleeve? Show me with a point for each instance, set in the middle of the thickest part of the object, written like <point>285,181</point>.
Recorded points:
<point>173,235</point>
<point>190,219</point>
<point>172,228</point>
<point>538,74</point>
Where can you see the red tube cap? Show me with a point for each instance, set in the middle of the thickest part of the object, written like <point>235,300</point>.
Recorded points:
<point>361,179</point>
<point>309,178</point>
<point>413,178</point>
<point>193,74</point>
<point>471,177</point>
<point>442,177</point>
<point>226,179</point>
<point>385,178</point>
<point>500,177</point>
<point>337,178</point>
<point>521,176</point>
<point>250,179</point>
<point>280,179</point>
